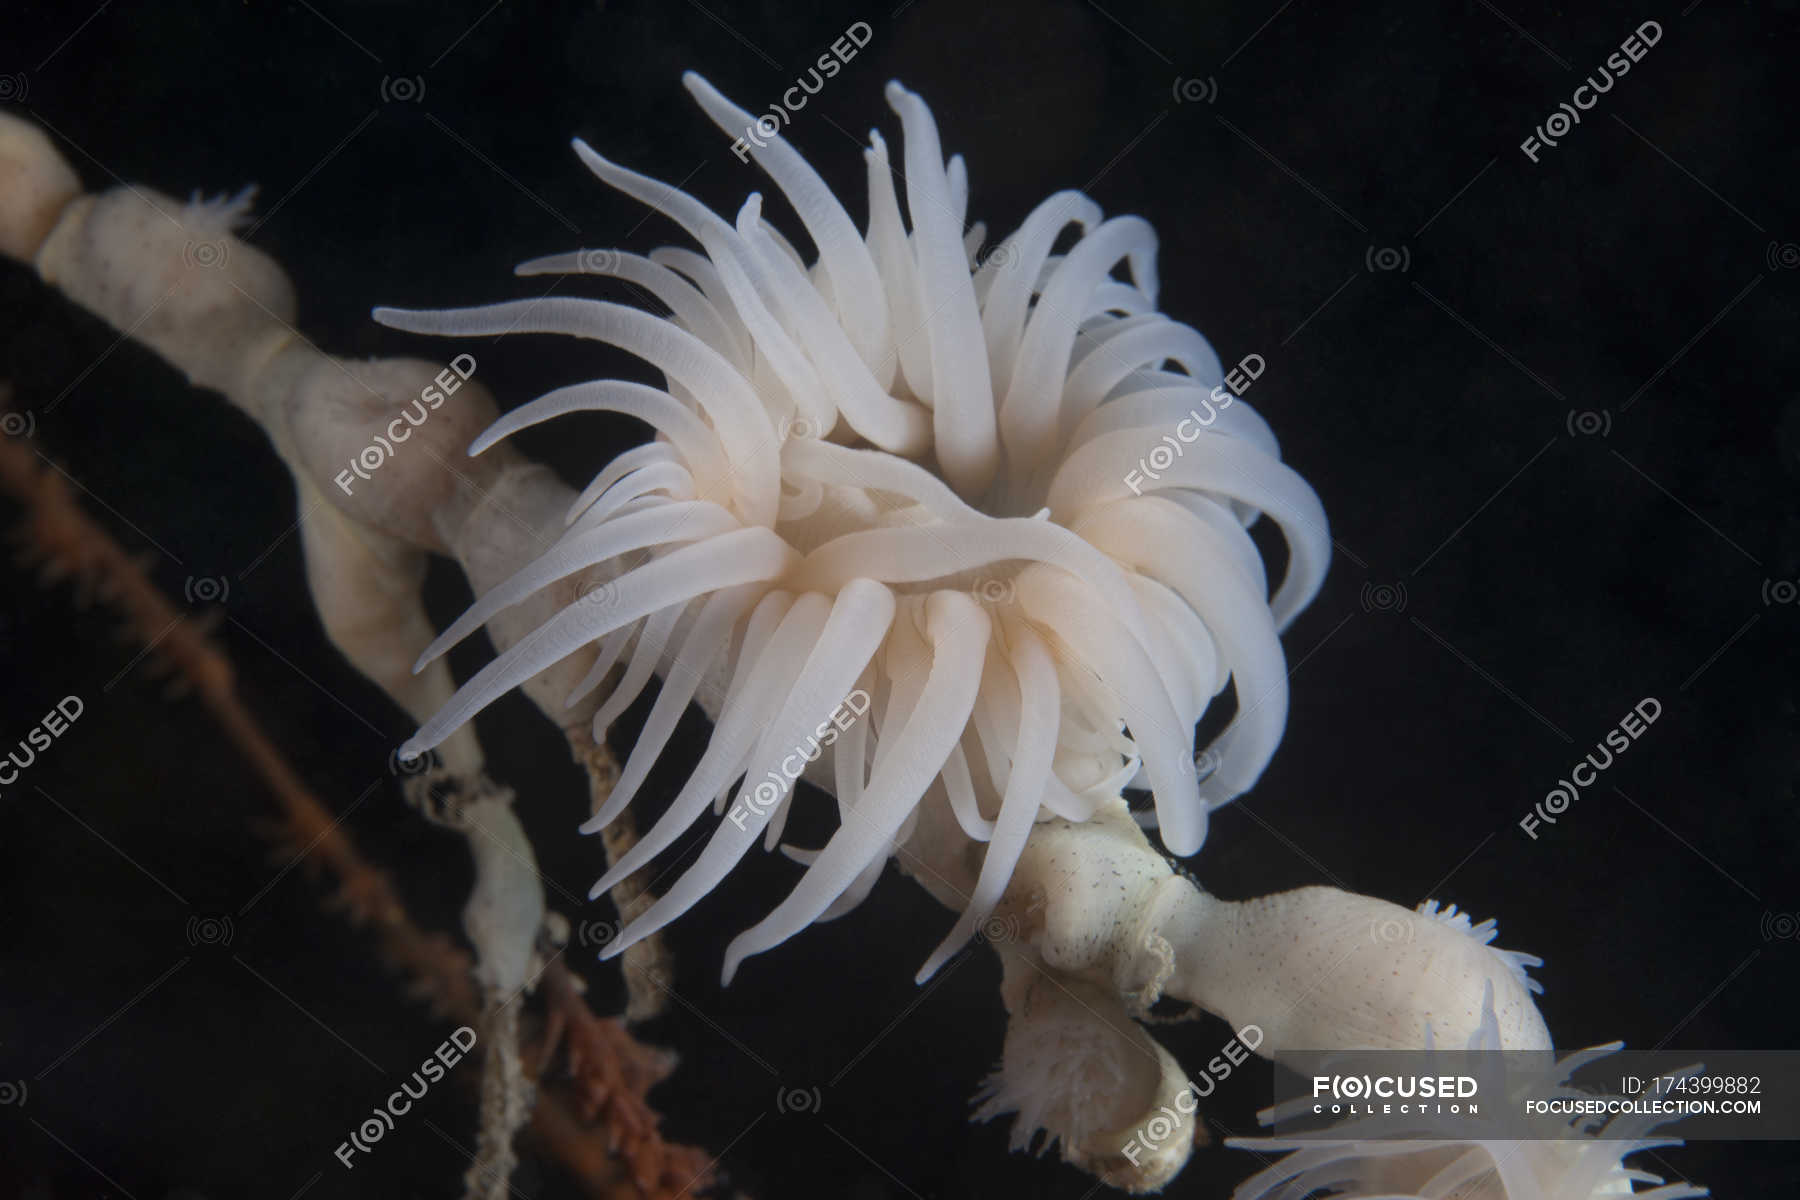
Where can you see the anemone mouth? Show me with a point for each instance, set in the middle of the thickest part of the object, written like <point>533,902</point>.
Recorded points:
<point>997,493</point>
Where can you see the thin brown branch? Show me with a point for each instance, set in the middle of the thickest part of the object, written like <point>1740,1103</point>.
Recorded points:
<point>622,1157</point>
<point>613,1073</point>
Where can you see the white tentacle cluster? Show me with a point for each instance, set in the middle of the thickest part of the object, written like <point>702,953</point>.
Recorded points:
<point>902,472</point>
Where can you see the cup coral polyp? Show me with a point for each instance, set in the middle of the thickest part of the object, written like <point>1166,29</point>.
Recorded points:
<point>912,471</point>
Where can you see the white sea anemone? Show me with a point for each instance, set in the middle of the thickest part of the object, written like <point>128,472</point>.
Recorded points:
<point>914,473</point>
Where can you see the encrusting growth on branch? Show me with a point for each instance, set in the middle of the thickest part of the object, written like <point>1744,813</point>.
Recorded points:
<point>648,966</point>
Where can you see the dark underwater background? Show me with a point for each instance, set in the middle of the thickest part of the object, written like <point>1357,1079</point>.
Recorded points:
<point>1549,407</point>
